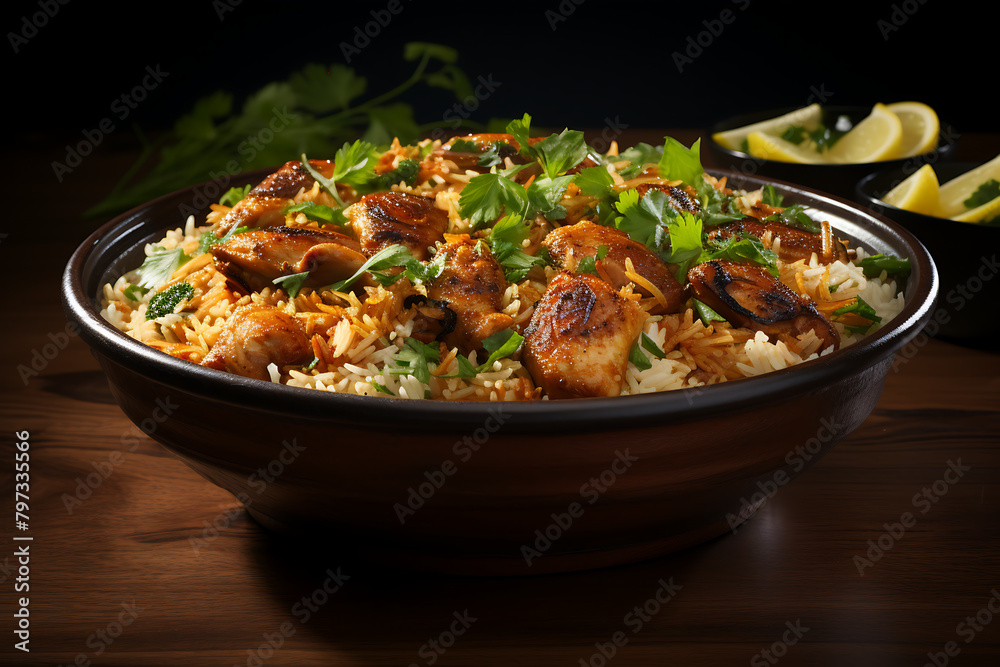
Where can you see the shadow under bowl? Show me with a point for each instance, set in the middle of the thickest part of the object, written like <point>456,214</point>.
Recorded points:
<point>835,179</point>
<point>965,255</point>
<point>495,488</point>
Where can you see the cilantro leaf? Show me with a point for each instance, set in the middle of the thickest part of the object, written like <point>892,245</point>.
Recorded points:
<point>638,156</point>
<point>642,217</point>
<point>405,172</point>
<point>589,263</point>
<point>354,164</point>
<point>292,283</point>
<point>705,313</point>
<point>561,152</point>
<point>742,250</point>
<point>544,195</point>
<point>160,265</point>
<point>413,359</point>
<point>505,242</point>
<point>985,193</point>
<point>464,146</point>
<point>321,213</point>
<point>795,216</point>
<point>500,345</point>
<point>488,196</point>
<point>595,181</point>
<point>394,255</point>
<point>680,163</point>
<point>861,308</point>
<point>685,243</point>
<point>521,131</point>
<point>233,195</point>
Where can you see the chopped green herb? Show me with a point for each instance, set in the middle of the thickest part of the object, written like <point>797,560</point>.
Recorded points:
<point>321,213</point>
<point>589,263</point>
<point>135,292</point>
<point>464,146</point>
<point>795,216</point>
<point>640,360</point>
<point>651,346</point>
<point>561,152</point>
<point>595,181</point>
<point>685,243</point>
<point>163,303</point>
<point>160,265</point>
<point>381,388</point>
<point>292,283</point>
<point>638,156</point>
<point>489,196</point>
<point>414,357</point>
<point>984,194</point>
<point>234,195</point>
<point>678,162</point>
<point>312,364</point>
<point>738,249</point>
<point>500,345</point>
<point>861,308</point>
<point>705,313</point>
<point>405,172</point>
<point>544,195</point>
<point>770,196</point>
<point>505,242</point>
<point>874,265</point>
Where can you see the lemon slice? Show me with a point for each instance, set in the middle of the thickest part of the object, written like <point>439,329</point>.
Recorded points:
<point>809,117</point>
<point>917,193</point>
<point>775,148</point>
<point>957,190</point>
<point>877,137</point>
<point>984,213</point>
<point>920,127</point>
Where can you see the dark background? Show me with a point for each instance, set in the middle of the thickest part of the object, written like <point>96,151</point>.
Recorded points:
<point>605,60</point>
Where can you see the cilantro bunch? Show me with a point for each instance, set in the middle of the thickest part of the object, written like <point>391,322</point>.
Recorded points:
<point>315,110</point>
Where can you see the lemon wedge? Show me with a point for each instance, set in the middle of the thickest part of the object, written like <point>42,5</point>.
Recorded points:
<point>984,213</point>
<point>877,137</point>
<point>808,117</point>
<point>917,193</point>
<point>921,127</point>
<point>957,190</point>
<point>770,147</point>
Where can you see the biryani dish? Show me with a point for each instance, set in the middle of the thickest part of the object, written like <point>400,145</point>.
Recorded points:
<point>500,267</point>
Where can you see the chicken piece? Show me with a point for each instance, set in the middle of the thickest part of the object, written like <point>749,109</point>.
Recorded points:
<point>472,284</point>
<point>257,335</point>
<point>383,219</point>
<point>256,258</point>
<point>748,296</point>
<point>577,344</point>
<point>795,244</point>
<point>569,244</point>
<point>679,198</point>
<point>263,205</point>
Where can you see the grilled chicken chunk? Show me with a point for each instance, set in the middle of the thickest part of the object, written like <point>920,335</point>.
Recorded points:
<point>472,284</point>
<point>569,244</point>
<point>383,219</point>
<point>795,244</point>
<point>255,336</point>
<point>263,205</point>
<point>256,258</point>
<point>748,296</point>
<point>577,344</point>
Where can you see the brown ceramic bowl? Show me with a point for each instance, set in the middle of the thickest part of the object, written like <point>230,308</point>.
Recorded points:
<point>964,254</point>
<point>835,179</point>
<point>484,488</point>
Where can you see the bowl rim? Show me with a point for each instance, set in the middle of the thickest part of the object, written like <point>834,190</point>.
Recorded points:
<point>576,414</point>
<point>947,139</point>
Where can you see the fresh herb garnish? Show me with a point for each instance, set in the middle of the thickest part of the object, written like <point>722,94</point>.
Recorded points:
<point>706,313</point>
<point>651,346</point>
<point>874,265</point>
<point>320,213</point>
<point>135,292</point>
<point>795,216</point>
<point>234,195</point>
<point>506,243</point>
<point>406,171</point>
<point>500,345</point>
<point>395,255</point>
<point>589,263</point>
<point>741,250</point>
<point>489,196</point>
<point>292,283</point>
<point>860,308</point>
<point>413,359</point>
<point>985,193</point>
<point>638,358</point>
<point>160,265</point>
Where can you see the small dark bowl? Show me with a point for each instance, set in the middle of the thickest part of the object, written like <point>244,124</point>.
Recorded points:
<point>964,253</point>
<point>836,179</point>
<point>500,489</point>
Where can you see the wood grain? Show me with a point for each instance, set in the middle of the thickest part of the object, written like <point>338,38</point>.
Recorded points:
<point>209,587</point>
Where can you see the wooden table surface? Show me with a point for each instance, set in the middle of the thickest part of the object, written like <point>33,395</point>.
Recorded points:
<point>886,552</point>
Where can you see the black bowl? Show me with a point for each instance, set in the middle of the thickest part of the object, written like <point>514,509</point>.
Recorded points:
<point>964,253</point>
<point>836,179</point>
<point>522,488</point>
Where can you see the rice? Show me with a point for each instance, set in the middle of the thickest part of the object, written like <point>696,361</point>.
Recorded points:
<point>358,337</point>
